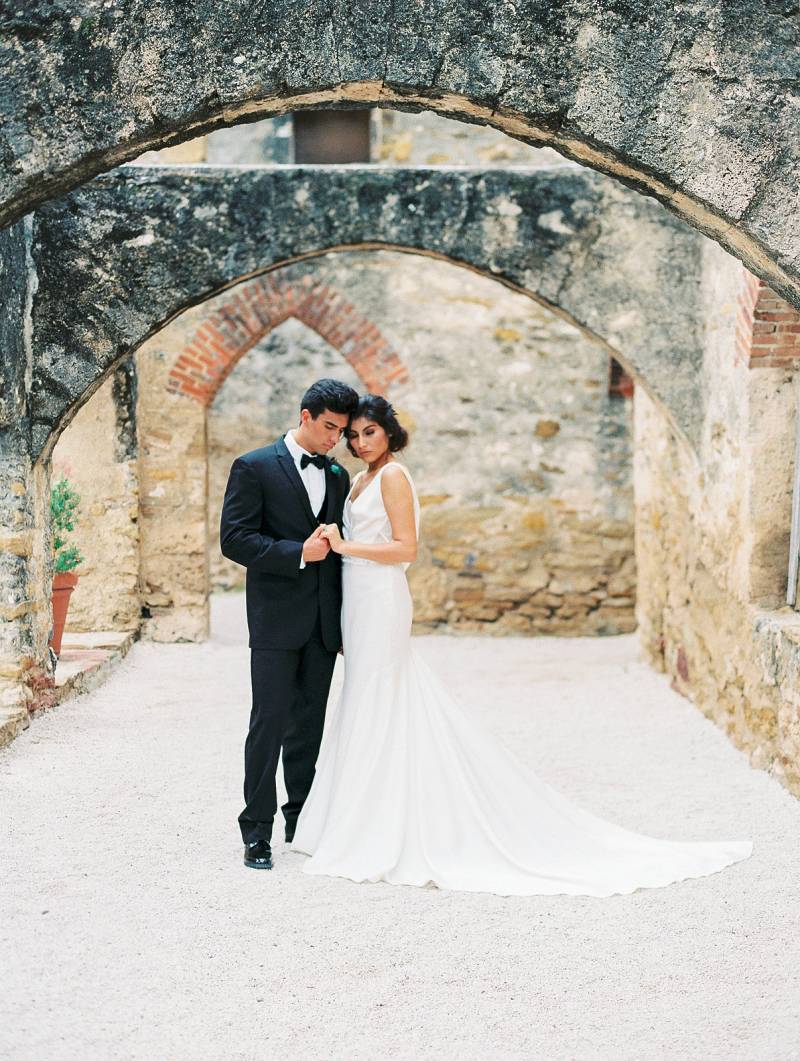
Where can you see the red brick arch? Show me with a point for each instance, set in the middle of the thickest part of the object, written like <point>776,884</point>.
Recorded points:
<point>768,327</point>
<point>260,305</point>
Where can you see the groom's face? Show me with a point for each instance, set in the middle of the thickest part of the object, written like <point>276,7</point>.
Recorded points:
<point>322,434</point>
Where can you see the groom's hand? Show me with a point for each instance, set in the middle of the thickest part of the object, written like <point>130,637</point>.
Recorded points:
<point>316,548</point>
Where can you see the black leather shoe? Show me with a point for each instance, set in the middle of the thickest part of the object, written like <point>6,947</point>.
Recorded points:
<point>258,855</point>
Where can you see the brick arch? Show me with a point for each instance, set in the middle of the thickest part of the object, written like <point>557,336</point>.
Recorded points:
<point>260,305</point>
<point>767,327</point>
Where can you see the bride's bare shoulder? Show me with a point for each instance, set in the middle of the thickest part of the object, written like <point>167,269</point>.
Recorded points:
<point>396,477</point>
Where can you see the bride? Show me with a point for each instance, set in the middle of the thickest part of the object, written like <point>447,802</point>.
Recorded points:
<point>410,790</point>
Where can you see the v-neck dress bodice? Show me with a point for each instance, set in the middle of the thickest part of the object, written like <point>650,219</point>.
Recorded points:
<point>365,519</point>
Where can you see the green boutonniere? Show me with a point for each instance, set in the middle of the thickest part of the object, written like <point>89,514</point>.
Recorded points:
<point>336,468</point>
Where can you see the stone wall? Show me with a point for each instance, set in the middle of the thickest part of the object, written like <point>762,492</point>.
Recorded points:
<point>712,535</point>
<point>566,506</point>
<point>521,457</point>
<point>138,248</point>
<point>173,496</point>
<point>93,454</point>
<point>624,87</point>
<point>26,671</point>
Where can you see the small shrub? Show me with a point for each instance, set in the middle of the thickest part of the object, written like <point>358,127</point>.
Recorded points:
<point>64,507</point>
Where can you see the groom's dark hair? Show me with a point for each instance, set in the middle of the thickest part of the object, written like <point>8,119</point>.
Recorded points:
<point>330,394</point>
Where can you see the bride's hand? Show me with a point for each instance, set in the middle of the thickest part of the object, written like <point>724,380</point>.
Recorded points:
<point>331,532</point>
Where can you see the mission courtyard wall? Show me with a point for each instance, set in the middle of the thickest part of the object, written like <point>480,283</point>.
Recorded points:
<point>712,527</point>
<point>693,105</point>
<point>759,706</point>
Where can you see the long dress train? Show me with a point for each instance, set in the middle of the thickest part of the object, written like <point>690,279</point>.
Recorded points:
<point>408,789</point>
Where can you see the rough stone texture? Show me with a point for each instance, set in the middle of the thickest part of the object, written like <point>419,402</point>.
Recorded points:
<point>136,248</point>
<point>521,458</point>
<point>26,677</point>
<point>739,665</point>
<point>97,455</point>
<point>173,491</point>
<point>127,953</point>
<point>693,103</point>
<point>712,544</point>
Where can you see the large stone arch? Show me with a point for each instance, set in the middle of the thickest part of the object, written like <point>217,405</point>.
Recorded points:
<point>695,105</point>
<point>136,248</point>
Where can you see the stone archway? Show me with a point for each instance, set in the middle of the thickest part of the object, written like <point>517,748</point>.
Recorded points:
<point>636,92</point>
<point>138,247</point>
<point>486,365</point>
<point>190,360</point>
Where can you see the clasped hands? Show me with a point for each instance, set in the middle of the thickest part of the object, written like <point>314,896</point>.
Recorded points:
<point>319,544</point>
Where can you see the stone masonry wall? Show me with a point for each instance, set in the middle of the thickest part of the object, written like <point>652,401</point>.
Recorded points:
<point>173,496</point>
<point>26,671</point>
<point>521,458</point>
<point>105,474</point>
<point>579,576</point>
<point>691,103</point>
<point>712,535</point>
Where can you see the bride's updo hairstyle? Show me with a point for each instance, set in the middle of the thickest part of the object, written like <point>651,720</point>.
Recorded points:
<point>376,408</point>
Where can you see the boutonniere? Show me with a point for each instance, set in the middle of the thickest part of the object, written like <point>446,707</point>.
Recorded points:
<point>335,468</point>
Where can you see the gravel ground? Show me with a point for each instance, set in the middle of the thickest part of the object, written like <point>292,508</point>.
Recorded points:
<point>130,928</point>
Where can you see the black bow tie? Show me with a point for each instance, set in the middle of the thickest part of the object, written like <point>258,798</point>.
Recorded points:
<point>317,459</point>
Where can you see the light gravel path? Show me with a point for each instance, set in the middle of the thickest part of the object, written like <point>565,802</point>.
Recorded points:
<point>130,928</point>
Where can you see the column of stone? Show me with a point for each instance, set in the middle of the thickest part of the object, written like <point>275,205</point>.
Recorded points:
<point>173,498</point>
<point>26,673</point>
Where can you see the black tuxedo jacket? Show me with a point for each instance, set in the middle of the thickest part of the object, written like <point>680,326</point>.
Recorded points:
<point>266,517</point>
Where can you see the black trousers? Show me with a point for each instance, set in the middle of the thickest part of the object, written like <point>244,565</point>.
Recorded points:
<point>290,691</point>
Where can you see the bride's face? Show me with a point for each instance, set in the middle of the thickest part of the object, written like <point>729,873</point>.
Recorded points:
<point>368,439</point>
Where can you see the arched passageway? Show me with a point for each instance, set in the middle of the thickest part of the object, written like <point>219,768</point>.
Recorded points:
<point>570,240</point>
<point>520,451</point>
<point>639,93</point>
<point>692,137</point>
<point>135,248</point>
<point>138,247</point>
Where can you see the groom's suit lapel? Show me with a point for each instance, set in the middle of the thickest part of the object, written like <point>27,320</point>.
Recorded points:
<point>332,487</point>
<point>288,465</point>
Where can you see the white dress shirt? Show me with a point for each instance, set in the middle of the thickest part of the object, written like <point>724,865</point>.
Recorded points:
<point>313,477</point>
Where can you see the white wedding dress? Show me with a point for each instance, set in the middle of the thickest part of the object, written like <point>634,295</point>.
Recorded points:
<point>409,790</point>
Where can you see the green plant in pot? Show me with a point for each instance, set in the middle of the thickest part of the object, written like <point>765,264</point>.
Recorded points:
<point>64,507</point>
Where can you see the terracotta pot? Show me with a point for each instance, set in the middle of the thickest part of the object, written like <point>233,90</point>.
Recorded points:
<point>63,584</point>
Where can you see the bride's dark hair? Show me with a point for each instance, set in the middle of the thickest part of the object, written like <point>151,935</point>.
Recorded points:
<point>375,407</point>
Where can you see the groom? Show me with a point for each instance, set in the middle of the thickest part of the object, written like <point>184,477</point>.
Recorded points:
<point>277,501</point>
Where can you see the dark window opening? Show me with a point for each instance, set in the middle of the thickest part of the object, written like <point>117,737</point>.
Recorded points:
<point>331,136</point>
<point>620,384</point>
